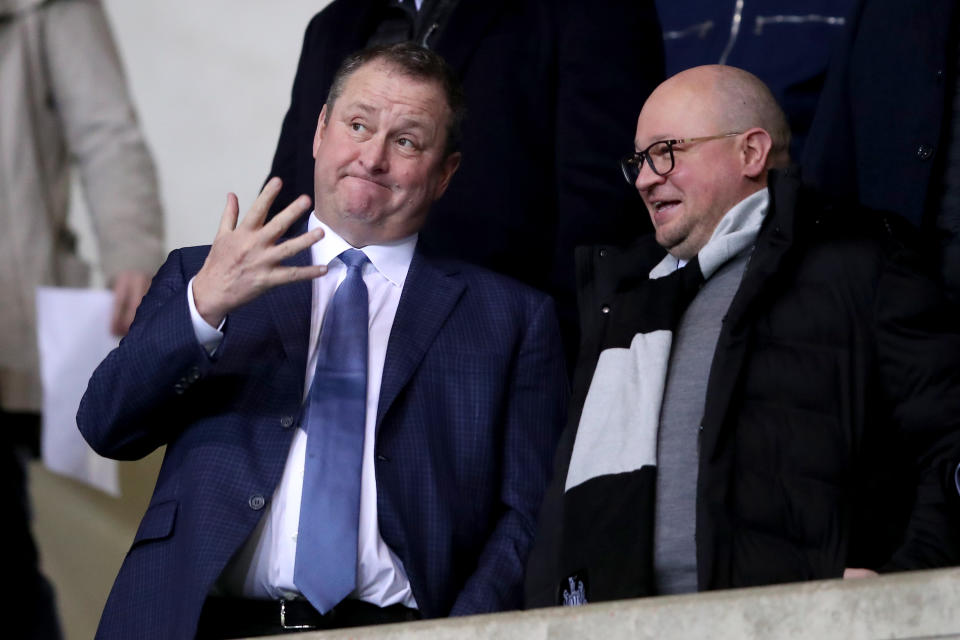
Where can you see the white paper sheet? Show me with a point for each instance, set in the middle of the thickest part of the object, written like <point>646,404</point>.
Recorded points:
<point>73,327</point>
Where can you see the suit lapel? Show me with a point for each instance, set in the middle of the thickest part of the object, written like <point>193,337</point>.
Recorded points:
<point>468,23</point>
<point>289,305</point>
<point>429,296</point>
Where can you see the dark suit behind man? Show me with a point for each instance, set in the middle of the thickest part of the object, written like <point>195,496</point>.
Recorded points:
<point>473,385</point>
<point>886,131</point>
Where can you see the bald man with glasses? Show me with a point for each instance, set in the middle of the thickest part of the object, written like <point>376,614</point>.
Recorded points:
<point>768,388</point>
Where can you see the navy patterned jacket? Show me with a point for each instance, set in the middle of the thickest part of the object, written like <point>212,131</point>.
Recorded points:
<point>473,397</point>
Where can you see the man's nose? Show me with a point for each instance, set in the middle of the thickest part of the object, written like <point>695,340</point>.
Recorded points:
<point>646,178</point>
<point>374,156</point>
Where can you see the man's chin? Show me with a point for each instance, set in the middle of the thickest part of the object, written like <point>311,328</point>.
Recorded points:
<point>672,245</point>
<point>361,202</point>
<point>361,214</point>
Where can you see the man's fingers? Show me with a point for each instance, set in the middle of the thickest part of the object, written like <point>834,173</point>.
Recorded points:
<point>125,319</point>
<point>295,245</point>
<point>128,289</point>
<point>261,206</point>
<point>116,316</point>
<point>851,573</point>
<point>279,224</point>
<point>228,219</point>
<point>286,275</point>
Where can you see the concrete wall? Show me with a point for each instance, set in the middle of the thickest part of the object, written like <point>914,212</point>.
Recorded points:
<point>920,605</point>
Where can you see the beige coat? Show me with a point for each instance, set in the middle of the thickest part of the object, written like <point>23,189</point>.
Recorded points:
<point>63,101</point>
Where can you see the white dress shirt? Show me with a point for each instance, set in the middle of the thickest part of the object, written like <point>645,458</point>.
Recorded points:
<point>263,568</point>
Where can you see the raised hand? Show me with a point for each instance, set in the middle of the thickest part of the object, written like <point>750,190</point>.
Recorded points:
<point>245,260</point>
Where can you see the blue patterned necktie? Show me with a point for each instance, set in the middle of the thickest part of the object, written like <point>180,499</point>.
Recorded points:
<point>325,570</point>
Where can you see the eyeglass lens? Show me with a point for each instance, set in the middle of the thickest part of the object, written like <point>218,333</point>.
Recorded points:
<point>660,156</point>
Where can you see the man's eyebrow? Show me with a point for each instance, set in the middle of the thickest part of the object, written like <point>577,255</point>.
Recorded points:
<point>660,137</point>
<point>360,106</point>
<point>653,140</point>
<point>406,122</point>
<point>412,123</point>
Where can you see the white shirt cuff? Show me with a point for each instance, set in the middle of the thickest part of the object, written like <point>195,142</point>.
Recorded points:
<point>207,335</point>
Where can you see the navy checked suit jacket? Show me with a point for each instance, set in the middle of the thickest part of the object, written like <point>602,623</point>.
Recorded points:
<point>472,400</point>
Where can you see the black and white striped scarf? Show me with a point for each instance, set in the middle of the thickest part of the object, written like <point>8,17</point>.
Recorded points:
<point>609,490</point>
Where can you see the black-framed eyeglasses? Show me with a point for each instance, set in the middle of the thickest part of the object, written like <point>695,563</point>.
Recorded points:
<point>659,156</point>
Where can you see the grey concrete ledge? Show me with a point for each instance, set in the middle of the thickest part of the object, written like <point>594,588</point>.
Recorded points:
<point>916,605</point>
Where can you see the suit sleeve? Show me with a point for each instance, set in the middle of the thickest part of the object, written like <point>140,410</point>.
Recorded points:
<point>919,351</point>
<point>137,396</point>
<point>541,579</point>
<point>115,167</point>
<point>534,413</point>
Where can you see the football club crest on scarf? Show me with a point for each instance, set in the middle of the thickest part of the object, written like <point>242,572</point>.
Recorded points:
<point>575,594</point>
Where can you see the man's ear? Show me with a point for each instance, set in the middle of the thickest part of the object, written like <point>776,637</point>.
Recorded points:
<point>755,148</point>
<point>321,129</point>
<point>450,165</point>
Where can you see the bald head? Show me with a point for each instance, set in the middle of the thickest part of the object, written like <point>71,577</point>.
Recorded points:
<point>735,100</point>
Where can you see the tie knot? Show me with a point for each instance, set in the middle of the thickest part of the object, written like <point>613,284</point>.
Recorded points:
<point>353,258</point>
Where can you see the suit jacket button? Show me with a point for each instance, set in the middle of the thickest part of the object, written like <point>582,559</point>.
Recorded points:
<point>603,253</point>
<point>178,388</point>
<point>605,309</point>
<point>194,374</point>
<point>256,502</point>
<point>924,152</point>
<point>286,422</point>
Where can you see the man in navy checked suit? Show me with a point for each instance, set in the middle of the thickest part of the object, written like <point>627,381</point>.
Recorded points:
<point>466,390</point>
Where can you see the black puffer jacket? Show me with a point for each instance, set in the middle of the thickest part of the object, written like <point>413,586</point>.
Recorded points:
<point>832,416</point>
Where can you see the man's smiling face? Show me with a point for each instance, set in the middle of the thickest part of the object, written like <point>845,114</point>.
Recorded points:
<point>686,205</point>
<point>380,155</point>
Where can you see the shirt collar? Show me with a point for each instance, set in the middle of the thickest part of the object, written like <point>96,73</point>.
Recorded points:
<point>391,260</point>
